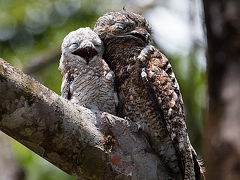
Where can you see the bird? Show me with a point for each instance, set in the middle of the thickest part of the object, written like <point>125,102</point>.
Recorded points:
<point>87,78</point>
<point>147,89</point>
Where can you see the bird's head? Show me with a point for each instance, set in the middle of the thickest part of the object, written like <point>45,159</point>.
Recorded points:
<point>123,24</point>
<point>82,46</point>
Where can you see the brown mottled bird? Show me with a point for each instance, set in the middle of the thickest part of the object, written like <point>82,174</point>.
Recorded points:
<point>148,91</point>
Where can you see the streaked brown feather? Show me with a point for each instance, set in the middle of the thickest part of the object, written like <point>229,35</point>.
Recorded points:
<point>162,86</point>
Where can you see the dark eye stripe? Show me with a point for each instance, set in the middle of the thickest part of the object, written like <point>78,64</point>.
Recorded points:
<point>97,44</point>
<point>76,44</point>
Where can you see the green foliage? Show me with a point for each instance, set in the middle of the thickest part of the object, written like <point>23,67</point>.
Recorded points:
<point>35,167</point>
<point>50,77</point>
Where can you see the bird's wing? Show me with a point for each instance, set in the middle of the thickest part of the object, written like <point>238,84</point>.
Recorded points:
<point>66,88</point>
<point>159,79</point>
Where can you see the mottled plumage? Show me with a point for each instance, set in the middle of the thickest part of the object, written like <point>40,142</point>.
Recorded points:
<point>87,79</point>
<point>148,90</point>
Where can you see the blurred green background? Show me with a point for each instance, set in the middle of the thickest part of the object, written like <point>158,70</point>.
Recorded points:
<point>32,31</point>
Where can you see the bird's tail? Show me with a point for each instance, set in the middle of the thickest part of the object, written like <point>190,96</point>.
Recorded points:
<point>198,167</point>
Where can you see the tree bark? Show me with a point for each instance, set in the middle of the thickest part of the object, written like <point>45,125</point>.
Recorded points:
<point>86,144</point>
<point>222,144</point>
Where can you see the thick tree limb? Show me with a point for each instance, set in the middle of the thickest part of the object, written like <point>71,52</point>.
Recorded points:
<point>83,143</point>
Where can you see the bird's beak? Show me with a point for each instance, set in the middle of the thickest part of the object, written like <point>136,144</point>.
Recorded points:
<point>87,53</point>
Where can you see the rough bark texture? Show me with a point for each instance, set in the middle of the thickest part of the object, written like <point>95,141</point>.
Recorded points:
<point>222,144</point>
<point>83,143</point>
<point>9,168</point>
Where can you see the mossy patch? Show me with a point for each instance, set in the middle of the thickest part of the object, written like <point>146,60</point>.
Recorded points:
<point>108,143</point>
<point>30,90</point>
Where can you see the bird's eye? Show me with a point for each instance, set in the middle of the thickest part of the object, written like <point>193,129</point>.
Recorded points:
<point>120,26</point>
<point>73,46</point>
<point>97,44</point>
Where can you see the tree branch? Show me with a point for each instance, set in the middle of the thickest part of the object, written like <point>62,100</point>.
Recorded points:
<point>38,64</point>
<point>83,143</point>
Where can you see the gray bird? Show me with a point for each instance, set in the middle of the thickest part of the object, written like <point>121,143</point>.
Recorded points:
<point>87,79</point>
<point>148,91</point>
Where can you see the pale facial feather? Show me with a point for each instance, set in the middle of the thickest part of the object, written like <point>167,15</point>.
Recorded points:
<point>81,38</point>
